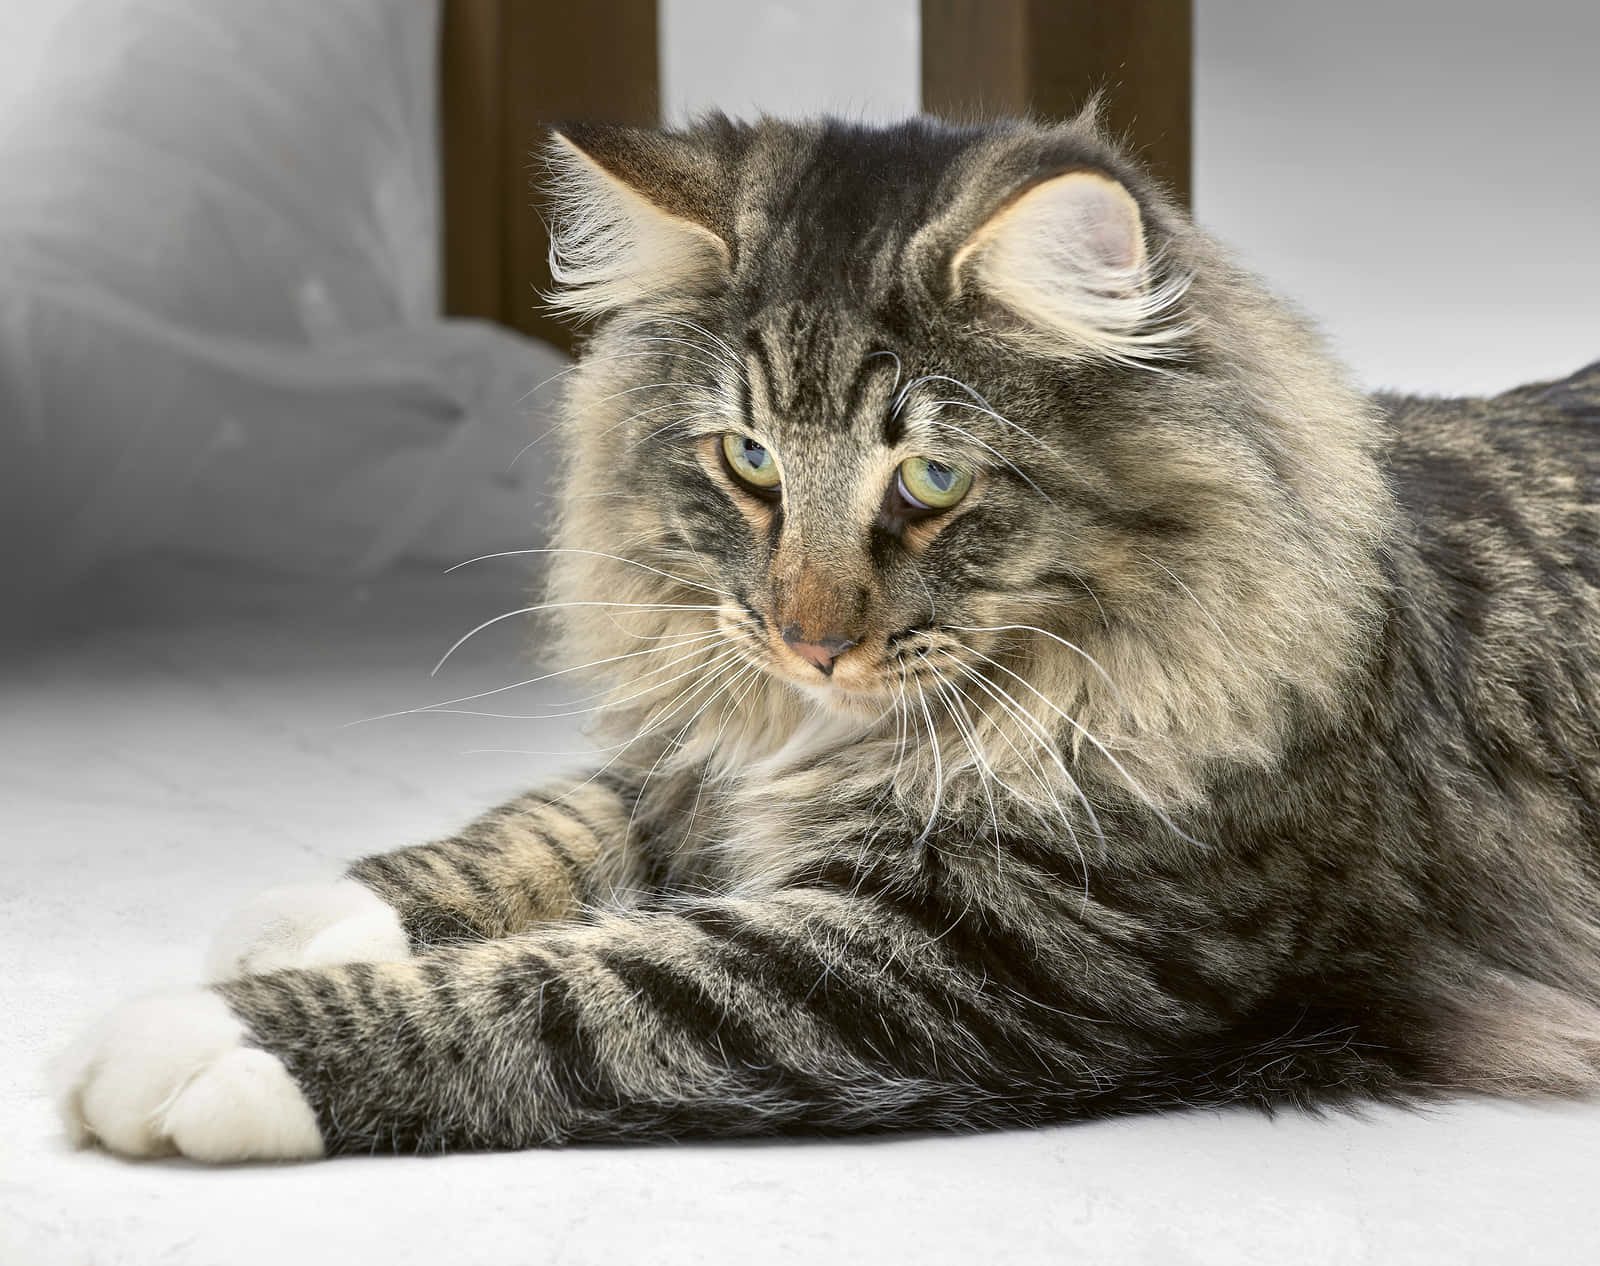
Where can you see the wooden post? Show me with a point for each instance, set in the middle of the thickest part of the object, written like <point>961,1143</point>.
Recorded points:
<point>982,58</point>
<point>511,68</point>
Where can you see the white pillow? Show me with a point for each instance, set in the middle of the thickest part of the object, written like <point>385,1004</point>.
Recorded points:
<point>218,294</point>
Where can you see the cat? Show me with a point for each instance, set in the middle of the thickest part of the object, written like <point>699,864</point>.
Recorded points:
<point>1042,687</point>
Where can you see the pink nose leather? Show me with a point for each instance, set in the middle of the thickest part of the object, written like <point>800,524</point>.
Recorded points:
<point>819,654</point>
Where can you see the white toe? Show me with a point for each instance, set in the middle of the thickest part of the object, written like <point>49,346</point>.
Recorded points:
<point>172,1074</point>
<point>315,925</point>
<point>245,1106</point>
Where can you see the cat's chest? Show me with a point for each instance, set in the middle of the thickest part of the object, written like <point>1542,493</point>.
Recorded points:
<point>749,820</point>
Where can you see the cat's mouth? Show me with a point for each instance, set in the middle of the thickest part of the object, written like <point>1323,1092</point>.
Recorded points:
<point>881,670</point>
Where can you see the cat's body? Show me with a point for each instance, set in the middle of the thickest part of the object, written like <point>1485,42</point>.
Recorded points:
<point>1228,738</point>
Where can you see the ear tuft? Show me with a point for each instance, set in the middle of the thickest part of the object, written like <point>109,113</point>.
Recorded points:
<point>613,242</point>
<point>1067,257</point>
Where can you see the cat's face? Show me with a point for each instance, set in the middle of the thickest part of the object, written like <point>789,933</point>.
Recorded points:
<point>927,416</point>
<point>868,510</point>
<point>862,421</point>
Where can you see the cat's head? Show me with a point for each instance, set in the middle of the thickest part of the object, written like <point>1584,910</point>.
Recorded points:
<point>966,423</point>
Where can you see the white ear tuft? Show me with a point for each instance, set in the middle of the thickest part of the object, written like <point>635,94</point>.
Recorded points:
<point>611,247</point>
<point>1068,257</point>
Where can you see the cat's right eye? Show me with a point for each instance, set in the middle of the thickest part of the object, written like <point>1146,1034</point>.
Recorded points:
<point>751,463</point>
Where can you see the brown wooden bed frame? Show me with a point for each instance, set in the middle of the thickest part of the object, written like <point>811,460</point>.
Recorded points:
<point>511,67</point>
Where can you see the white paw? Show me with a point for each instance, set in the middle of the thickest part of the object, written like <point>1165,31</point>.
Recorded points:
<point>316,925</point>
<point>171,1074</point>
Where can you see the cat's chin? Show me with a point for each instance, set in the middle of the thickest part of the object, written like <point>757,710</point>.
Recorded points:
<point>847,700</point>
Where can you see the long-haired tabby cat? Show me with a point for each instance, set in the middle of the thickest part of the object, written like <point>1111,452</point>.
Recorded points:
<point>1043,687</point>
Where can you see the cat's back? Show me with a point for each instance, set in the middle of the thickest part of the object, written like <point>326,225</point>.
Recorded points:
<point>1516,473</point>
<point>1495,626</point>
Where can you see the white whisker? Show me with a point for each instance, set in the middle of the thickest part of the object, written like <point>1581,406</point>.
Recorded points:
<point>732,356</point>
<point>632,562</point>
<point>963,723</point>
<point>1031,628</point>
<point>1034,729</point>
<point>589,407</point>
<point>680,642</point>
<point>938,764</point>
<point>551,606</point>
<point>1196,601</point>
<point>753,673</point>
<point>676,742</point>
<point>1017,470</point>
<point>720,657</point>
<point>1133,783</point>
<point>897,370</point>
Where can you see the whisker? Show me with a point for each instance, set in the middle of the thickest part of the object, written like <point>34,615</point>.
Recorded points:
<point>938,764</point>
<point>1132,782</point>
<point>963,724</point>
<point>606,691</point>
<point>721,657</point>
<point>896,359</point>
<point>1195,600</point>
<point>708,356</point>
<point>664,717</point>
<point>590,407</point>
<point>1031,628</point>
<point>753,674</point>
<point>551,606</point>
<point>675,742</point>
<point>531,681</point>
<point>719,412</point>
<point>980,405</point>
<point>1035,729</point>
<point>733,357</point>
<point>606,360</point>
<point>632,562</point>
<point>1017,470</point>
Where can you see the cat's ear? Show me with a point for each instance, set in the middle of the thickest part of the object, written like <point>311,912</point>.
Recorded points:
<point>1063,264</point>
<point>634,220</point>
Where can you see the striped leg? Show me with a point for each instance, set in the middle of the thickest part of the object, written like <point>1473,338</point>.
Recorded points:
<point>813,1009</point>
<point>853,1000</point>
<point>805,1010</point>
<point>536,860</point>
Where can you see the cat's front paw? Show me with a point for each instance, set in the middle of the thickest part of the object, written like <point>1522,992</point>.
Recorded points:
<point>317,925</point>
<point>172,1074</point>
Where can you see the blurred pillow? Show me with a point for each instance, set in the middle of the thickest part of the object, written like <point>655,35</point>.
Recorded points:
<point>245,166</point>
<point>218,296</point>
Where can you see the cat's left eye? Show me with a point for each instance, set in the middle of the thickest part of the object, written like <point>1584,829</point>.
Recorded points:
<point>930,485</point>
<point>750,462</point>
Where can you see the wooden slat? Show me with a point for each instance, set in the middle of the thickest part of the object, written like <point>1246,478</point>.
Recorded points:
<point>986,57</point>
<point>547,62</point>
<point>470,127</point>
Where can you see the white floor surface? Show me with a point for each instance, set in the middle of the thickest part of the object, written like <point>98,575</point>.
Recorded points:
<point>193,746</point>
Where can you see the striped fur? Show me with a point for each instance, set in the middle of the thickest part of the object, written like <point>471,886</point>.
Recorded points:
<point>1232,742</point>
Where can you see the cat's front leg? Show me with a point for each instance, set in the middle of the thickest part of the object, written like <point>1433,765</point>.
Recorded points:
<point>808,1009</point>
<point>179,1073</point>
<point>534,860</point>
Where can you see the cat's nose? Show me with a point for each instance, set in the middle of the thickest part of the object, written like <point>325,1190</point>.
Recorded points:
<point>821,653</point>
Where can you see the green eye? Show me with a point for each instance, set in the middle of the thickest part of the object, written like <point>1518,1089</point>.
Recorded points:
<point>750,461</point>
<point>931,485</point>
